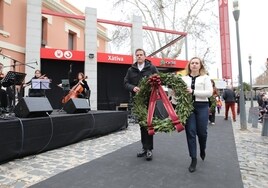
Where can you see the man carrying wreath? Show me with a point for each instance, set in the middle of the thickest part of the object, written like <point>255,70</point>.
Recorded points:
<point>140,69</point>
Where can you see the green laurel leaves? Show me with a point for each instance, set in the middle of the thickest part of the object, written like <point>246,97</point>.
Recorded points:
<point>184,102</point>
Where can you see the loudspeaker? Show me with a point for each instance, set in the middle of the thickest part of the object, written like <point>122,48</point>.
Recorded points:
<point>33,107</point>
<point>76,105</point>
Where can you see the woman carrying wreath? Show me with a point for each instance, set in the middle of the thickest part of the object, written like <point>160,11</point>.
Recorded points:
<point>140,69</point>
<point>200,87</point>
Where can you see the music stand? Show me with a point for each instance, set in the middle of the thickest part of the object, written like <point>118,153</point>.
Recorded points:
<point>12,79</point>
<point>40,84</point>
<point>65,84</point>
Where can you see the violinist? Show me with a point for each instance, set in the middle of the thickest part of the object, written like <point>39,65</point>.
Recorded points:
<point>3,93</point>
<point>80,80</point>
<point>36,92</point>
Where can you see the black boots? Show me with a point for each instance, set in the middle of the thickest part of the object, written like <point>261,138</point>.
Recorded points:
<point>148,154</point>
<point>142,153</point>
<point>192,166</point>
<point>203,155</point>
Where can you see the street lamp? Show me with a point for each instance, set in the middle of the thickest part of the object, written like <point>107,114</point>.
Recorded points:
<point>250,73</point>
<point>236,13</point>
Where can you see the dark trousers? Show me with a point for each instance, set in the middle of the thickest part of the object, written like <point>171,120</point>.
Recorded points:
<point>218,109</point>
<point>3,98</point>
<point>229,105</point>
<point>146,139</point>
<point>196,125</point>
<point>238,109</point>
<point>212,117</point>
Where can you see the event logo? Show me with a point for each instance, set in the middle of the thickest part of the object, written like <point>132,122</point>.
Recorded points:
<point>68,54</point>
<point>167,63</point>
<point>115,58</point>
<point>58,54</point>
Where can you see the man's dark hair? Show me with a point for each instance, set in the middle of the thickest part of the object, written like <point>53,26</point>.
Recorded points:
<point>139,49</point>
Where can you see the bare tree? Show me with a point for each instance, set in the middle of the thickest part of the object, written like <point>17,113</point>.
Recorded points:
<point>263,78</point>
<point>195,17</point>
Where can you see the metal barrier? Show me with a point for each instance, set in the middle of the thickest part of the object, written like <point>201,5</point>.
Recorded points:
<point>255,117</point>
<point>265,125</point>
<point>250,114</point>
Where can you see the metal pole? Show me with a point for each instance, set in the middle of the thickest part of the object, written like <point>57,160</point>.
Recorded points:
<point>243,123</point>
<point>250,69</point>
<point>186,47</point>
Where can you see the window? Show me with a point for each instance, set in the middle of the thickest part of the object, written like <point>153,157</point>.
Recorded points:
<point>1,14</point>
<point>44,32</point>
<point>72,40</point>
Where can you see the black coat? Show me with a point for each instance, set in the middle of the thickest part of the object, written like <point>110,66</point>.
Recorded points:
<point>84,85</point>
<point>134,75</point>
<point>229,95</point>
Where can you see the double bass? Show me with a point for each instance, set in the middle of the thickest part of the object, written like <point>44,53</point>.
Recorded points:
<point>74,92</point>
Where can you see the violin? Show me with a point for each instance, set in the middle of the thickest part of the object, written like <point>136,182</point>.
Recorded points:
<point>43,77</point>
<point>74,92</point>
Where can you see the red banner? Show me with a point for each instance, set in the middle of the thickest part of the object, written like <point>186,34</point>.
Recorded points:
<point>225,40</point>
<point>72,55</point>
<point>128,59</point>
<point>114,58</point>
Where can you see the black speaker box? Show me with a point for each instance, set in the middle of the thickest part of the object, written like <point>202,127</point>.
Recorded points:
<point>33,107</point>
<point>76,105</point>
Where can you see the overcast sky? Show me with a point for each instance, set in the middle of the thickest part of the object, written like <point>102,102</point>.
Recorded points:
<point>253,34</point>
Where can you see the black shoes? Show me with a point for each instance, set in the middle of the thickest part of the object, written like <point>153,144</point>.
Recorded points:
<point>203,155</point>
<point>148,154</point>
<point>192,166</point>
<point>142,153</point>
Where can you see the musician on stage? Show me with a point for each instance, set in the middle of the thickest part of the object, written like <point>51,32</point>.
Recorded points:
<point>3,93</point>
<point>80,80</point>
<point>36,92</point>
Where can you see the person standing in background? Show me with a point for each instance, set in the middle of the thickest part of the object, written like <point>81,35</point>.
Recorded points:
<point>213,104</point>
<point>229,99</point>
<point>218,104</point>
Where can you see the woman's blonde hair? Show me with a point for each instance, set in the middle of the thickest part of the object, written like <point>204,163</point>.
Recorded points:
<point>202,70</point>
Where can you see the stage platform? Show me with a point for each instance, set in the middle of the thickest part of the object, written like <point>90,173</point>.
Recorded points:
<point>21,137</point>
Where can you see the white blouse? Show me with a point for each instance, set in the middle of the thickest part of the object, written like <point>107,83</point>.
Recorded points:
<point>203,87</point>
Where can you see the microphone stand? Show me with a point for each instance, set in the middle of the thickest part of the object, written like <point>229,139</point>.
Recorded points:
<point>16,61</point>
<point>14,84</point>
<point>64,90</point>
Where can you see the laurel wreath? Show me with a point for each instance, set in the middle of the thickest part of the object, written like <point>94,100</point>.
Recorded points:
<point>183,108</point>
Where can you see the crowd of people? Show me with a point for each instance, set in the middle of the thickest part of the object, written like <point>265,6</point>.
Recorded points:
<point>262,100</point>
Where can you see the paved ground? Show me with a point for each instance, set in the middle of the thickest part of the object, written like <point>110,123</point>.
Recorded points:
<point>252,149</point>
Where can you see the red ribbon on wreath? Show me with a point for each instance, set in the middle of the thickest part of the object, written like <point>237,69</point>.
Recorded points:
<point>158,92</point>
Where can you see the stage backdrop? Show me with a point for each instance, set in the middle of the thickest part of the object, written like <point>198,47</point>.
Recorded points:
<point>110,83</point>
<point>111,91</point>
<point>56,70</point>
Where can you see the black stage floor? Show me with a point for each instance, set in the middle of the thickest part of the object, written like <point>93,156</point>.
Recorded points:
<point>168,169</point>
<point>20,137</point>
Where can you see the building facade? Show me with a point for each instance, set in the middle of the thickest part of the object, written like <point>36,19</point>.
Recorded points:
<point>53,35</point>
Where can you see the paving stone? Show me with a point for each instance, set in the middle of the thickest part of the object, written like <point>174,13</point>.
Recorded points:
<point>251,150</point>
